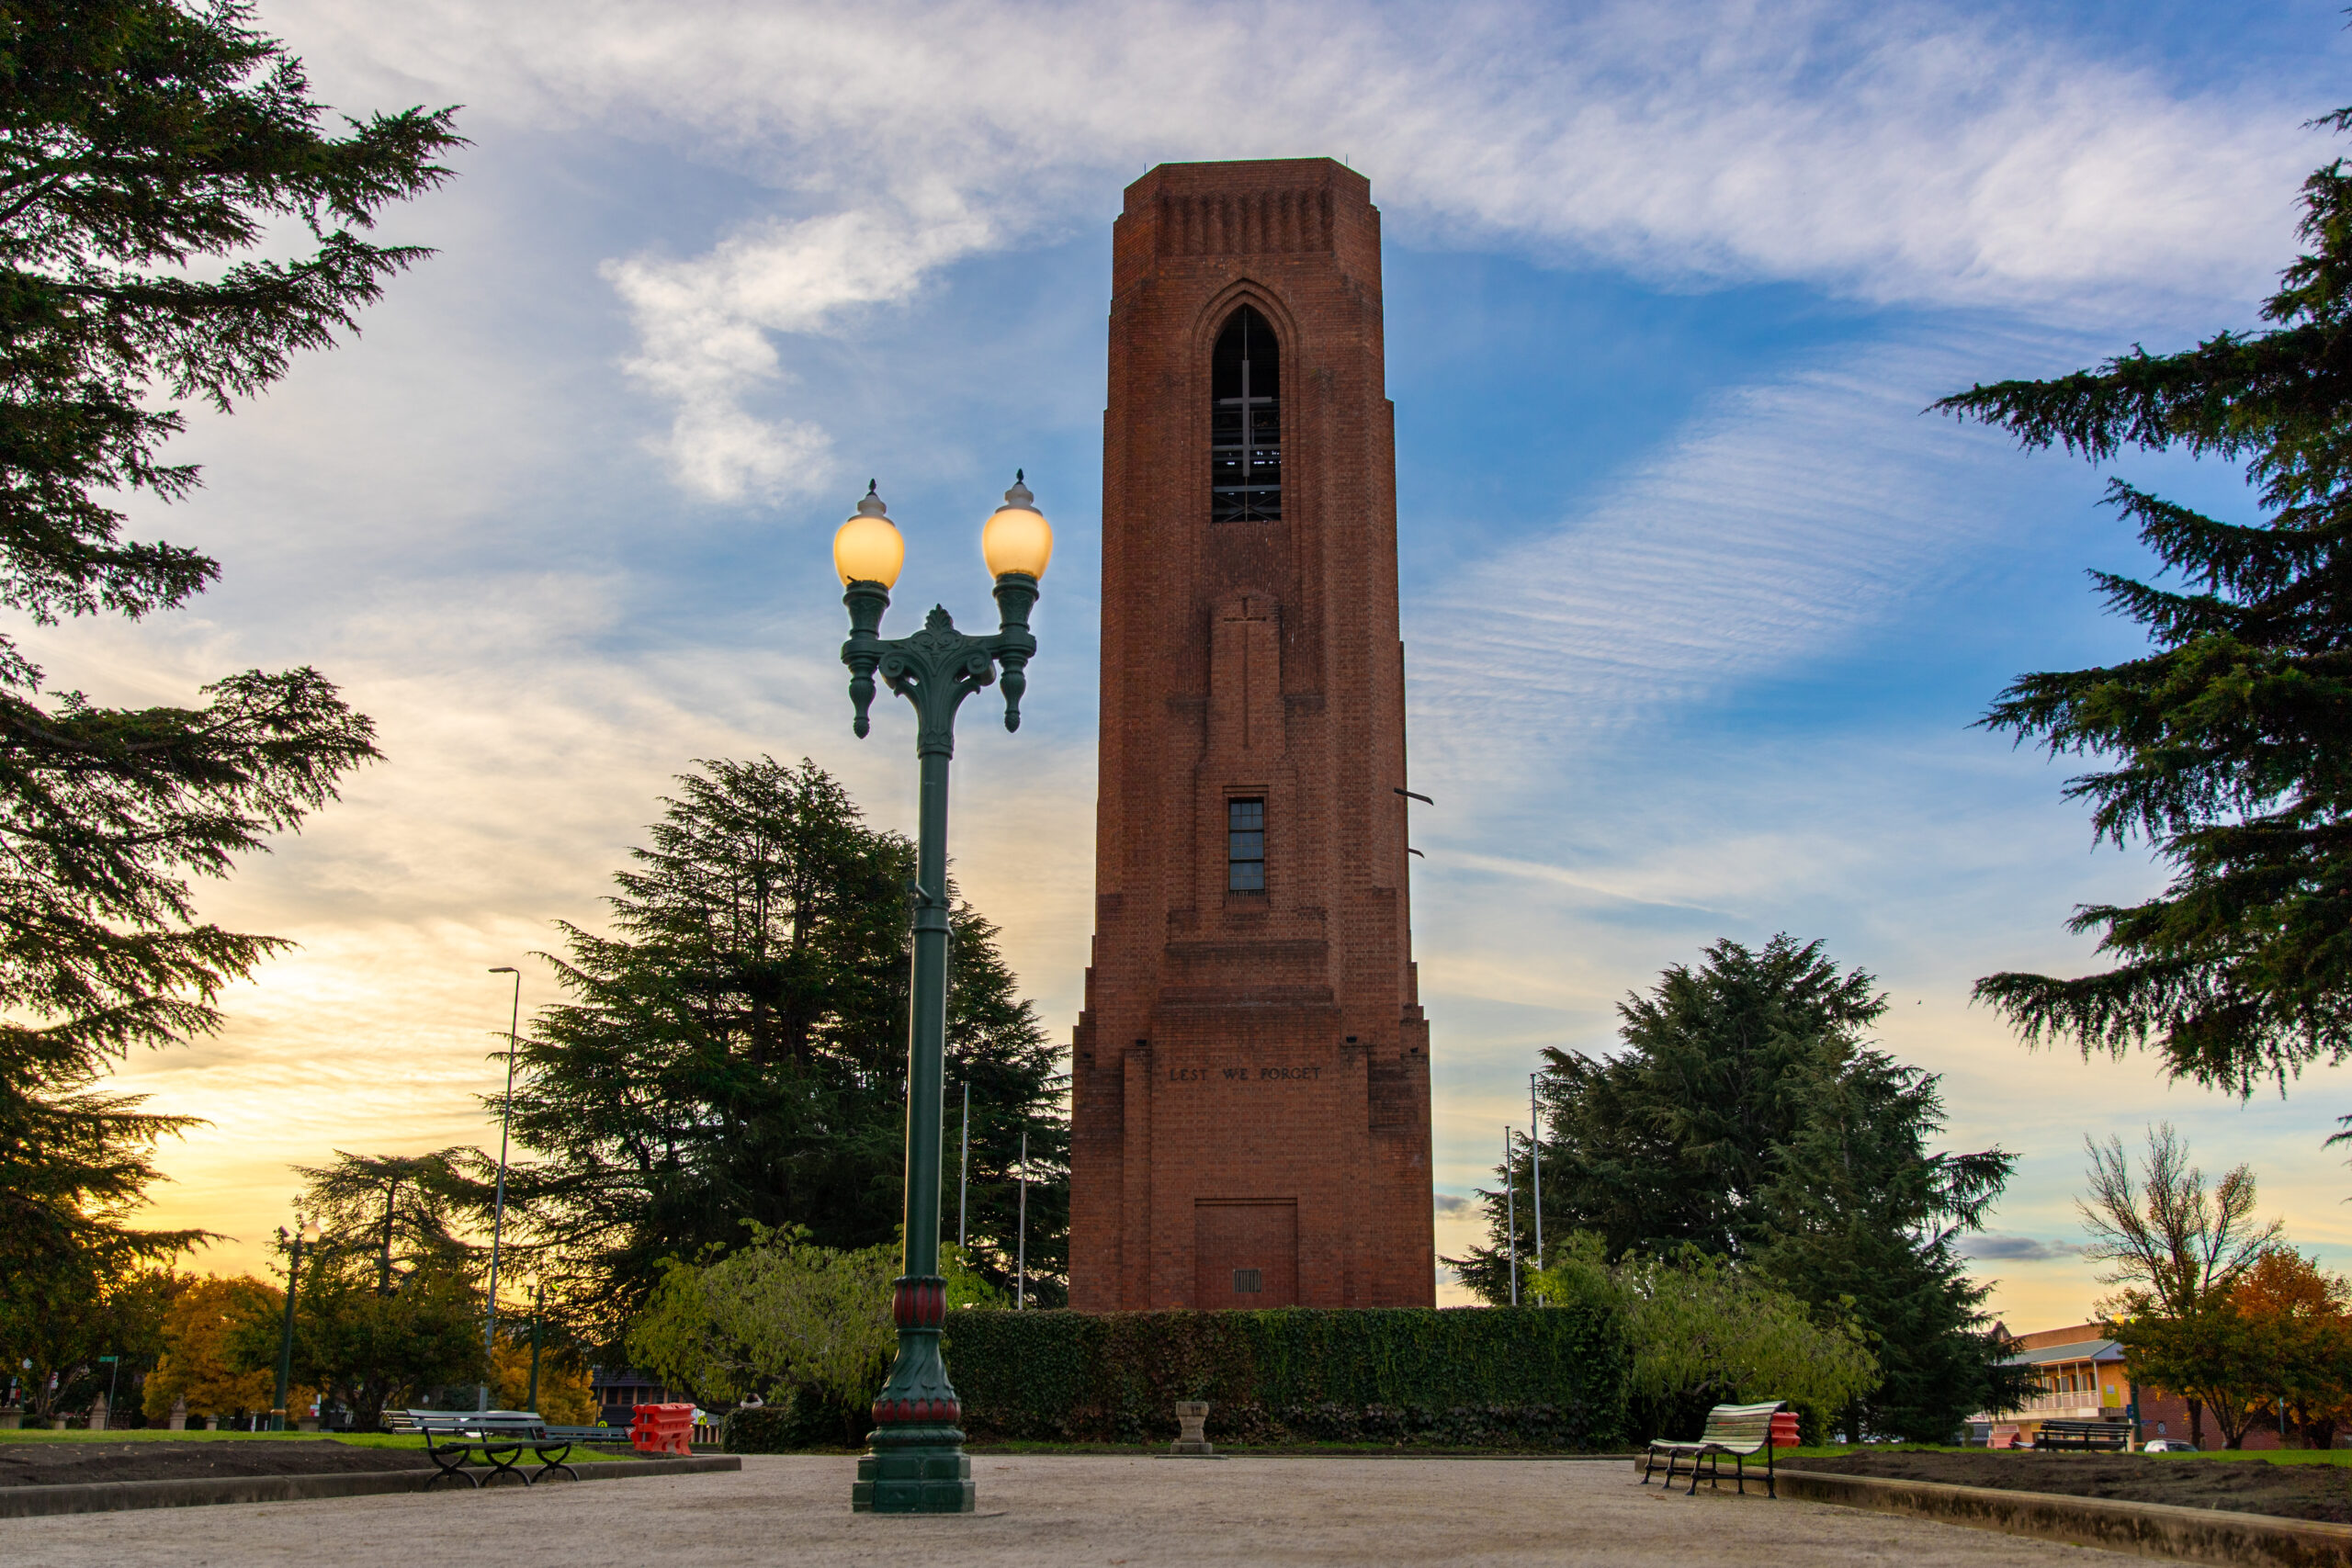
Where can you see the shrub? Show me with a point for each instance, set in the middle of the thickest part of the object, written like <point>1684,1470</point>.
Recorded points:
<point>802,1419</point>
<point>806,1327</point>
<point>1705,1331</point>
<point>1552,1378</point>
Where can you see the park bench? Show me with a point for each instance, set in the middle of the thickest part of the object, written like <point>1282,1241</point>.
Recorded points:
<point>454,1438</point>
<point>2111,1436</point>
<point>1738,1430</point>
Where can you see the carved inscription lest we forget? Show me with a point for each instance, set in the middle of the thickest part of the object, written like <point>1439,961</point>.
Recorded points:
<point>1244,1075</point>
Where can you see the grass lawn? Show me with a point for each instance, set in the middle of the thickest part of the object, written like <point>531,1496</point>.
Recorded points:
<point>350,1440</point>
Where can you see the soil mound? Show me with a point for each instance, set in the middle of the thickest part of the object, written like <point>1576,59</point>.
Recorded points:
<point>2322,1492</point>
<point>54,1464</point>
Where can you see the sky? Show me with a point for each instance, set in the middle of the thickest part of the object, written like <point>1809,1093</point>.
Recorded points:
<point>1699,605</point>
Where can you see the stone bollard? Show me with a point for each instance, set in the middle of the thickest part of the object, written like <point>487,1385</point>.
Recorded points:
<point>57,1423</point>
<point>12,1418</point>
<point>100,1417</point>
<point>179,1419</point>
<point>212,1423</point>
<point>1191,1417</point>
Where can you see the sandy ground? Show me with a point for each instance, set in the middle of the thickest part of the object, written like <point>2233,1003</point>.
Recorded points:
<point>1080,1512</point>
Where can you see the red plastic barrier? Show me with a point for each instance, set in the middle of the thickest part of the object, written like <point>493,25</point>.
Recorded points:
<point>663,1428</point>
<point>1784,1429</point>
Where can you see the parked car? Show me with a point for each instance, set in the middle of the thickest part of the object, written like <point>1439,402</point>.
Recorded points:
<point>2169,1445</point>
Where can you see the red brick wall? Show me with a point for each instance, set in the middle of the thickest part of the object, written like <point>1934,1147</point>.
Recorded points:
<point>1240,1048</point>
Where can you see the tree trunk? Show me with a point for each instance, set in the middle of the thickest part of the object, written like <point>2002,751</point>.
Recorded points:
<point>2197,1421</point>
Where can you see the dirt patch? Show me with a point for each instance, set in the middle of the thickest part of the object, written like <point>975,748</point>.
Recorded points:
<point>2245,1485</point>
<point>53,1465</point>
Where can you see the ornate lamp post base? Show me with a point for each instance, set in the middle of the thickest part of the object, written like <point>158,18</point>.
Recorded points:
<point>914,1470</point>
<point>914,1461</point>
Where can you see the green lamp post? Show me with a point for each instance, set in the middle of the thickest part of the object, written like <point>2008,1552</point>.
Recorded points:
<point>302,1232</point>
<point>915,1463</point>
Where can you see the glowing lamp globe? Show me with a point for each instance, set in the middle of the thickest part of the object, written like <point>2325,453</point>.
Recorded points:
<point>868,548</point>
<point>1016,536</point>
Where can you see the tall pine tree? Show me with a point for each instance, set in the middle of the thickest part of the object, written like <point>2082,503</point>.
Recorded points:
<point>146,148</point>
<point>2229,745</point>
<point>1749,1117</point>
<point>737,1050</point>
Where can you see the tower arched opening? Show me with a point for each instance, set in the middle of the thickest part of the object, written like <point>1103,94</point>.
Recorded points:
<point>1245,424</point>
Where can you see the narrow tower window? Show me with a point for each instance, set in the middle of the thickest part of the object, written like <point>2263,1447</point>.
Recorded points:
<point>1245,846</point>
<point>1245,424</point>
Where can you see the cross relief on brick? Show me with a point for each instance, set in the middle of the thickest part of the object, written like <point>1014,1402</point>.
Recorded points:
<point>1245,677</point>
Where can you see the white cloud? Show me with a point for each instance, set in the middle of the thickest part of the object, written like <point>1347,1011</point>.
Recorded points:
<point>1902,153</point>
<point>704,327</point>
<point>1786,517</point>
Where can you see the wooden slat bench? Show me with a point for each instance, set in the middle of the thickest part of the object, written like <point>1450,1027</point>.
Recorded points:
<point>2113,1437</point>
<point>453,1439</point>
<point>1738,1430</point>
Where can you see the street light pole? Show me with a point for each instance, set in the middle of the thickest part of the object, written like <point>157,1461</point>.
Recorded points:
<point>1535,1161</point>
<point>1020,1226</point>
<point>539,1315</point>
<point>964,1169</point>
<point>498,1213</point>
<point>302,1232</point>
<point>1510,1210</point>
<point>916,1462</point>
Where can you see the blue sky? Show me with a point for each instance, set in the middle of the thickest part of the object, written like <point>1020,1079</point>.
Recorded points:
<point>1698,604</point>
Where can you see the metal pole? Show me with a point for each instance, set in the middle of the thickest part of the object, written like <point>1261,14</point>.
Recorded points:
<point>915,1462</point>
<point>927,1036</point>
<point>538,1314</point>
<point>384,1270</point>
<point>1021,1274</point>
<point>498,1215</point>
<point>1535,1159</point>
<point>1510,1211</point>
<point>285,1337</point>
<point>964,1174</point>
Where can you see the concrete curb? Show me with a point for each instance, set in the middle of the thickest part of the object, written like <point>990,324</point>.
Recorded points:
<point>2150,1530</point>
<point>103,1496</point>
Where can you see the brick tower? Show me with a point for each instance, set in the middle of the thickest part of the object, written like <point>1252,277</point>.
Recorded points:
<point>1251,1083</point>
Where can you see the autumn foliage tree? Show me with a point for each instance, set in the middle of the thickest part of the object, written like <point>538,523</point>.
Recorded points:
<point>2299,1318</point>
<point>2179,1249</point>
<point>202,1363</point>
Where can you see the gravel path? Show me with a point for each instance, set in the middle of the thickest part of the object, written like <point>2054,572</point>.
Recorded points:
<point>1064,1511</point>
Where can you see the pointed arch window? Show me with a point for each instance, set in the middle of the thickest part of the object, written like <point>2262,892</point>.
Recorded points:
<point>1245,423</point>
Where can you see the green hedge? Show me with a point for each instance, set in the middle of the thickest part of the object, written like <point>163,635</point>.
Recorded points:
<point>1551,1378</point>
<point>799,1420</point>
